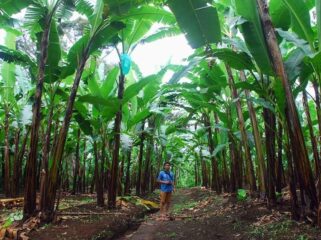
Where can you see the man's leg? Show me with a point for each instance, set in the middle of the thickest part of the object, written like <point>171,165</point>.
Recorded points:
<point>168,202</point>
<point>162,203</point>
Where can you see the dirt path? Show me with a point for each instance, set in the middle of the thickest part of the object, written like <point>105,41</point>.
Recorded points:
<point>189,222</point>
<point>201,214</point>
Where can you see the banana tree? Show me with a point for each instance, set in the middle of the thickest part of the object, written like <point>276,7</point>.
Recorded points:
<point>8,103</point>
<point>138,22</point>
<point>101,32</point>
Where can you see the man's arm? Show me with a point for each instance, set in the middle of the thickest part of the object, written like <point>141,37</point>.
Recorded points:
<point>161,181</point>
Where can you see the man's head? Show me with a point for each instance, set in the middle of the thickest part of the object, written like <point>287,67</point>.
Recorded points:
<point>167,166</point>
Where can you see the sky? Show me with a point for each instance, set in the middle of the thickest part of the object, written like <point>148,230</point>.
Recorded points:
<point>150,57</point>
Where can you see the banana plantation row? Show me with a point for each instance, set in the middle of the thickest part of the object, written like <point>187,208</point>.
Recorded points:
<point>243,111</point>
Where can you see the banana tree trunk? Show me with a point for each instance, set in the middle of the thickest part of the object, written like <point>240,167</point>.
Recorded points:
<point>318,107</point>
<point>103,159</point>
<point>121,175</point>
<point>295,132</point>
<point>280,180</point>
<point>249,164</point>
<point>196,177</point>
<point>215,183</point>
<point>204,170</point>
<point>77,166</point>
<point>84,168</point>
<point>15,181</point>
<point>127,181</point>
<point>7,164</point>
<point>30,186</point>
<point>98,179</point>
<point>140,160</point>
<point>2,170</point>
<point>112,191</point>
<point>59,149</point>
<point>314,143</point>
<point>292,181</point>
<point>148,159</point>
<point>235,164</point>
<point>270,128</point>
<point>17,175</point>
<point>311,132</point>
<point>225,178</point>
<point>257,138</point>
<point>45,159</point>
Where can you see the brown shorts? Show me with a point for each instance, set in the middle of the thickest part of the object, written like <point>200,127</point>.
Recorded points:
<point>165,197</point>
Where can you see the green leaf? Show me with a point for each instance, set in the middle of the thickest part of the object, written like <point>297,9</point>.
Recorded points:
<point>109,112</point>
<point>84,7</point>
<point>262,102</point>
<point>151,90</point>
<point>253,33</point>
<point>138,118</point>
<point>241,194</point>
<point>135,31</point>
<point>318,11</point>
<point>183,70</point>
<point>280,96</point>
<point>239,61</point>
<point>15,56</point>
<point>8,73</point>
<point>84,124</point>
<point>106,34</point>
<point>96,100</point>
<point>250,86</point>
<point>13,6</point>
<point>220,148</point>
<point>298,42</point>
<point>180,122</point>
<point>212,77</point>
<point>280,15</point>
<point>150,13</point>
<point>315,62</point>
<point>293,64</point>
<point>110,81</point>
<point>52,71</point>
<point>135,88</point>
<point>198,20</point>
<point>74,55</point>
<point>300,19</point>
<point>97,17</point>
<point>93,86</point>
<point>161,33</point>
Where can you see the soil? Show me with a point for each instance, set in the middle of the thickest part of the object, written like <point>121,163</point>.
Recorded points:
<point>196,213</point>
<point>88,221</point>
<point>201,214</point>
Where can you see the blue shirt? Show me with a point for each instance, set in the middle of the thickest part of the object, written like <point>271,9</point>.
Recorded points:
<point>166,176</point>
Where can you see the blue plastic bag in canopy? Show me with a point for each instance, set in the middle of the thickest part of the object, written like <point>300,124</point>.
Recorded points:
<point>125,63</point>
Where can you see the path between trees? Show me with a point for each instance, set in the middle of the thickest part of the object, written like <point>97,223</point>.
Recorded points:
<point>201,214</point>
<point>197,214</point>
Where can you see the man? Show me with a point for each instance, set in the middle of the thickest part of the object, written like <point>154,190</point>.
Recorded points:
<point>166,179</point>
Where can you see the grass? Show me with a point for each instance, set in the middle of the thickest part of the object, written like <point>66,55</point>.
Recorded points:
<point>272,231</point>
<point>167,235</point>
<point>179,207</point>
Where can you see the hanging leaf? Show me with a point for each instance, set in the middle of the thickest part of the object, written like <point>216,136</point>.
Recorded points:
<point>253,33</point>
<point>109,82</point>
<point>280,15</point>
<point>135,88</point>
<point>84,124</point>
<point>300,19</point>
<point>239,61</point>
<point>138,118</point>
<point>11,7</point>
<point>198,20</point>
